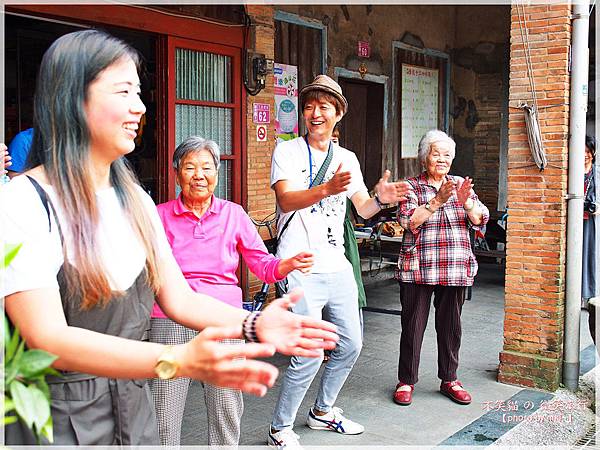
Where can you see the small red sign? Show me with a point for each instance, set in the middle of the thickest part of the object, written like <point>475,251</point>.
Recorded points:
<point>261,113</point>
<point>364,49</point>
<point>261,133</point>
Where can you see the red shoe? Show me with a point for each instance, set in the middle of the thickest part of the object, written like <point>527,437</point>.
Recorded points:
<point>403,394</point>
<point>455,392</point>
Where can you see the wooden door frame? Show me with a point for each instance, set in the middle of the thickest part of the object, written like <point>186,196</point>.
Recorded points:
<point>140,18</point>
<point>340,72</point>
<point>237,103</point>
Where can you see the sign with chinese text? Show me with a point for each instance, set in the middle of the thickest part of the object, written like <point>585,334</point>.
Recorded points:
<point>286,101</point>
<point>364,49</point>
<point>420,87</point>
<point>261,113</point>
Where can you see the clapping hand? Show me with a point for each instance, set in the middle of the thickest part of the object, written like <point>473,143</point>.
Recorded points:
<point>338,183</point>
<point>464,189</point>
<point>445,191</point>
<point>391,192</point>
<point>293,334</point>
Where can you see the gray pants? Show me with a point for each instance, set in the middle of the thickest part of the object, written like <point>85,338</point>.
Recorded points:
<point>224,407</point>
<point>334,295</point>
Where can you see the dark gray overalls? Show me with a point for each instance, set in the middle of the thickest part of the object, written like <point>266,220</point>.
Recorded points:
<point>91,410</point>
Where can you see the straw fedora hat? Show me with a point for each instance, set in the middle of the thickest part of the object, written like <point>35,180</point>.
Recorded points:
<point>325,84</point>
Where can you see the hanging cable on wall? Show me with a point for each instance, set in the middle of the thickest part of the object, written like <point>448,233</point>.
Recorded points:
<point>247,25</point>
<point>255,66</point>
<point>532,122</point>
<point>534,136</point>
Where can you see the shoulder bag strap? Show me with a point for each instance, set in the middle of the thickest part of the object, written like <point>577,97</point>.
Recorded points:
<point>47,206</point>
<point>43,197</point>
<point>587,182</point>
<point>317,181</point>
<point>321,173</point>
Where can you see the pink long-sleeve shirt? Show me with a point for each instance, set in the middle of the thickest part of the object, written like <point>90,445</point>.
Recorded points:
<point>208,249</point>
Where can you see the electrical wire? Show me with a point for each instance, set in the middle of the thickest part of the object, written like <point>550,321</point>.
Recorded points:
<point>534,136</point>
<point>525,41</point>
<point>259,86</point>
<point>532,123</point>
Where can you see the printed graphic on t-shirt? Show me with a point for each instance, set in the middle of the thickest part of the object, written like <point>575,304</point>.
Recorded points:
<point>331,209</point>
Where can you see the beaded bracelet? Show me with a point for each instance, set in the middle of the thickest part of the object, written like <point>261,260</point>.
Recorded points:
<point>249,326</point>
<point>378,202</point>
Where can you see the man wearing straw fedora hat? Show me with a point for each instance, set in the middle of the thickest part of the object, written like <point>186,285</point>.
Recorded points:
<point>312,179</point>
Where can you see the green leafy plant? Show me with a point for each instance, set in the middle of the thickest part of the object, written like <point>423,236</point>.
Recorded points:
<point>26,393</point>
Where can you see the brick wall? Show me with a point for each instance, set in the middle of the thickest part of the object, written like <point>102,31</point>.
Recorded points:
<point>535,271</point>
<point>261,200</point>
<point>488,98</point>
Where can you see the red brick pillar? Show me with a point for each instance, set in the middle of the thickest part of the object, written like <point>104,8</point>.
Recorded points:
<point>488,97</point>
<point>261,200</point>
<point>535,263</point>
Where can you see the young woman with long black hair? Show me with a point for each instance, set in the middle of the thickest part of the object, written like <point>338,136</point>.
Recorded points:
<point>94,257</point>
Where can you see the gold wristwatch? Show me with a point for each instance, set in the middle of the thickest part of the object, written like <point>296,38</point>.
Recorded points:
<point>166,365</point>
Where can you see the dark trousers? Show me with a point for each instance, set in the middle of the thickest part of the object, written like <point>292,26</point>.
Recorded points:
<point>416,300</point>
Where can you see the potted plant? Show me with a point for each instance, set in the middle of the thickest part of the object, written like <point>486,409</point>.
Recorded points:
<point>26,393</point>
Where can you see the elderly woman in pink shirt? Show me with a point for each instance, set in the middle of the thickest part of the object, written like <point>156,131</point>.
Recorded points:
<point>207,235</point>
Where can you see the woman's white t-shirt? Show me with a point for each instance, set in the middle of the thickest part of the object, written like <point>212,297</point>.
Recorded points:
<point>24,220</point>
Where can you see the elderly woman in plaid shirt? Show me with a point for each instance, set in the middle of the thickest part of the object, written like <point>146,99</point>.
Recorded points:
<point>436,258</point>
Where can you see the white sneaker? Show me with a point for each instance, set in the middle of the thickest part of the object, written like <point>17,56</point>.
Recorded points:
<point>334,421</point>
<point>285,438</point>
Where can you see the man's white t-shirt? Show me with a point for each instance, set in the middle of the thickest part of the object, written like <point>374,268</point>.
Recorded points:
<point>23,220</point>
<point>320,227</point>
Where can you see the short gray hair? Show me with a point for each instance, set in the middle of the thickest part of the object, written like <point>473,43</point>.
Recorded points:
<point>195,144</point>
<point>431,137</point>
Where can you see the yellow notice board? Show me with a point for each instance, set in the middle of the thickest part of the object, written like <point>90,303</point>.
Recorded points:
<point>420,88</point>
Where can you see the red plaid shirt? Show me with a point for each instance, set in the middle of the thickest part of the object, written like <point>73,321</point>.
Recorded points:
<point>438,252</point>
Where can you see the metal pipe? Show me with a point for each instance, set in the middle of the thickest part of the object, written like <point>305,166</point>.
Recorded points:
<point>578,107</point>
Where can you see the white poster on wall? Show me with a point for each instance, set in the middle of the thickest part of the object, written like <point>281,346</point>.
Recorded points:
<point>286,101</point>
<point>420,87</point>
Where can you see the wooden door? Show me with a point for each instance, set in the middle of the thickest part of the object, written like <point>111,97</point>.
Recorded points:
<point>205,99</point>
<point>361,129</point>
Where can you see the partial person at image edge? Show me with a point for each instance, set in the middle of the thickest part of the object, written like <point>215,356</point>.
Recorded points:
<point>19,149</point>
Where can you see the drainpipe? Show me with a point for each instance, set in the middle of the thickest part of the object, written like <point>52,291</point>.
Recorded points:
<point>578,107</point>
